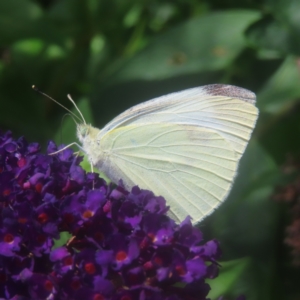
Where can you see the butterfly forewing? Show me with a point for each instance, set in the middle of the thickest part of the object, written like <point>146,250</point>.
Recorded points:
<point>223,108</point>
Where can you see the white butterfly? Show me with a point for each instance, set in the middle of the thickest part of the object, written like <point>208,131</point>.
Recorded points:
<point>184,146</point>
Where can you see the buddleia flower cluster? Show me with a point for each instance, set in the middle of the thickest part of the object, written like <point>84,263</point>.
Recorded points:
<point>121,244</point>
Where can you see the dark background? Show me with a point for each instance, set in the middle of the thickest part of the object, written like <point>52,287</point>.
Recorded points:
<point>112,54</point>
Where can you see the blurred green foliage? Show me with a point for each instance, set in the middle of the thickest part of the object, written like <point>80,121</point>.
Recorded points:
<point>110,55</point>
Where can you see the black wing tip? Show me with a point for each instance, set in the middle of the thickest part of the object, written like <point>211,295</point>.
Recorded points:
<point>231,91</point>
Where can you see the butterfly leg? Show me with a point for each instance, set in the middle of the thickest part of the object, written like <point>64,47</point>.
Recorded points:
<point>66,147</point>
<point>92,170</point>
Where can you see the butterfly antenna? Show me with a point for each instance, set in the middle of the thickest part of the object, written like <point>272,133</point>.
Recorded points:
<point>73,102</point>
<point>72,118</point>
<point>40,92</point>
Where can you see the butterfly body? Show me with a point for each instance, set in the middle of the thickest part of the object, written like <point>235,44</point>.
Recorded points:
<point>184,146</point>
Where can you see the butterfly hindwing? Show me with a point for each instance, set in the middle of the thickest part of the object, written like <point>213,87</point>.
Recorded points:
<point>192,167</point>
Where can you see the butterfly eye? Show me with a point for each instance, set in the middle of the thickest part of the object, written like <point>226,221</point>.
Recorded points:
<point>84,131</point>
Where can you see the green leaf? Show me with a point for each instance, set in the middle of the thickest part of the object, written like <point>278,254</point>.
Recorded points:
<point>187,49</point>
<point>17,19</point>
<point>270,37</point>
<point>230,272</point>
<point>282,89</point>
<point>286,13</point>
<point>63,239</point>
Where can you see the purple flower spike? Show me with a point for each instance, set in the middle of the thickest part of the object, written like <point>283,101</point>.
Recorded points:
<point>121,245</point>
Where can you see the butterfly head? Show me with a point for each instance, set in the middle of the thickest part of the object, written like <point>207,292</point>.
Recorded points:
<point>88,136</point>
<point>82,132</point>
<point>87,133</point>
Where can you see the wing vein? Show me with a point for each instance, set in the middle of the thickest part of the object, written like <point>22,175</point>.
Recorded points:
<point>171,145</point>
<point>219,200</point>
<point>157,170</point>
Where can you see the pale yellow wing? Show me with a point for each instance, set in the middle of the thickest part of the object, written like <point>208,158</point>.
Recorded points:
<point>192,167</point>
<point>226,109</point>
